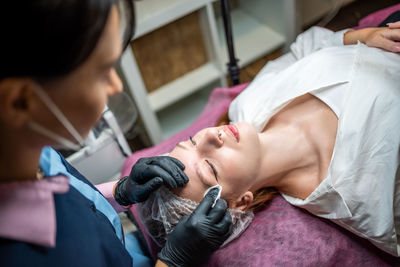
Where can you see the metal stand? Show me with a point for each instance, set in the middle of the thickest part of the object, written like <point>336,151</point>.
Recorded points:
<point>233,69</point>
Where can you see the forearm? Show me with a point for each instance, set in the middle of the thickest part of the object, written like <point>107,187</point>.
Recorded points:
<point>159,263</point>
<point>353,36</point>
<point>107,190</point>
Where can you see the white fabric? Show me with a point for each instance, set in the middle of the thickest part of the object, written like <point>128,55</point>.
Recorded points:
<point>161,212</point>
<point>332,96</point>
<point>362,189</point>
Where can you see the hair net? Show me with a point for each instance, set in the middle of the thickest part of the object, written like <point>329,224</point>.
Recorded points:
<point>161,212</point>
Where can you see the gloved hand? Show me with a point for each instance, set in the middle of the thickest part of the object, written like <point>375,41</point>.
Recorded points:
<point>147,175</point>
<point>197,236</point>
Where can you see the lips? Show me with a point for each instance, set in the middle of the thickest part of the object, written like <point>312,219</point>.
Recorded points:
<point>232,130</point>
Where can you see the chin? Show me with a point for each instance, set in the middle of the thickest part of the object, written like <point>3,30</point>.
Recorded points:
<point>247,132</point>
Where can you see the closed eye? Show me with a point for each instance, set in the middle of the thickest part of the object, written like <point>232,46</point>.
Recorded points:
<point>213,170</point>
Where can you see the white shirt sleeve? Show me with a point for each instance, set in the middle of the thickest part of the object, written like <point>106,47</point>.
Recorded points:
<point>315,39</point>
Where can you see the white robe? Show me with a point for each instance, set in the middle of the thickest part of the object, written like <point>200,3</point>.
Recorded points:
<point>362,189</point>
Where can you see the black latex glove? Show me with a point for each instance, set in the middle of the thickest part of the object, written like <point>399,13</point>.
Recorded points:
<point>197,236</point>
<point>147,175</point>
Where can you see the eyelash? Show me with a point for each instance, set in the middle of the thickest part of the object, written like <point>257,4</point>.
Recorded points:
<point>213,170</point>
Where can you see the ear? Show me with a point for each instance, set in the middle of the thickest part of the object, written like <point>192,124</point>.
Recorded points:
<point>15,101</point>
<point>243,202</point>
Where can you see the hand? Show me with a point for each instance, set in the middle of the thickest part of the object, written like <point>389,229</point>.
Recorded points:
<point>385,38</point>
<point>197,236</point>
<point>394,25</point>
<point>147,175</point>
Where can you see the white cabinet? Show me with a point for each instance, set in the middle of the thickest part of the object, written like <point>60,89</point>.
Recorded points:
<point>259,27</point>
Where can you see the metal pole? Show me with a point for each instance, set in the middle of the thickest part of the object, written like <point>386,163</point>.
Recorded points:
<point>233,69</point>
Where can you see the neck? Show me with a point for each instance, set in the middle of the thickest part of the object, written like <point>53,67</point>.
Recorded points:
<point>18,160</point>
<point>286,151</point>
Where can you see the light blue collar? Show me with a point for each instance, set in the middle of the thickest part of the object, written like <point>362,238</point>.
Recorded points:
<point>51,164</point>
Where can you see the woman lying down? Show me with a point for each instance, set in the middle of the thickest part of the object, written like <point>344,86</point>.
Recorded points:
<point>321,126</point>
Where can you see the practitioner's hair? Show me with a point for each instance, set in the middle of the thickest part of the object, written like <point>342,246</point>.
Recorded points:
<point>46,39</point>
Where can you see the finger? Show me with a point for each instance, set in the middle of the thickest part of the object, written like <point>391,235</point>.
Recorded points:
<point>157,171</point>
<point>205,205</point>
<point>394,25</point>
<point>142,173</point>
<point>393,42</point>
<point>393,35</point>
<point>213,192</point>
<point>225,226</point>
<point>385,43</point>
<point>152,185</point>
<point>218,212</point>
<point>169,165</point>
<point>146,169</point>
<point>168,180</point>
<point>175,167</point>
<point>182,221</point>
<point>178,162</point>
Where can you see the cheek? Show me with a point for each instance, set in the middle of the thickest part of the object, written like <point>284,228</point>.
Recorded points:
<point>192,190</point>
<point>240,172</point>
<point>89,109</point>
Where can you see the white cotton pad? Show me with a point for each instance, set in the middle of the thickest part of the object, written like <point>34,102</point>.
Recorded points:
<point>217,195</point>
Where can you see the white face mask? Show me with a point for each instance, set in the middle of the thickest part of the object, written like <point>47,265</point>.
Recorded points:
<point>62,119</point>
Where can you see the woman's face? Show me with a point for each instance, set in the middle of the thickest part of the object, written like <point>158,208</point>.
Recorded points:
<point>83,94</point>
<point>228,155</point>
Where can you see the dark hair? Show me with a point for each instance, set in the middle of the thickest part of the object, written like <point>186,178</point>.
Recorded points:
<point>45,39</point>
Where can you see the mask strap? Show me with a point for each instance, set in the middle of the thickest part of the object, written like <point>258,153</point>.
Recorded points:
<point>60,116</point>
<point>58,138</point>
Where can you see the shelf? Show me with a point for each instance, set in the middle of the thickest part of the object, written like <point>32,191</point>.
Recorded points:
<point>183,86</point>
<point>153,14</point>
<point>251,38</point>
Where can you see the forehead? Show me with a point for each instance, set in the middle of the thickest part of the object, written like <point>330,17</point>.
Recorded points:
<point>189,158</point>
<point>109,46</point>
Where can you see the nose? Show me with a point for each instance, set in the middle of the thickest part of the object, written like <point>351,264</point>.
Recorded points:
<point>115,84</point>
<point>210,140</point>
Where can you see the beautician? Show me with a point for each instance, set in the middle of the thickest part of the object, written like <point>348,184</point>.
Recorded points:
<point>57,71</point>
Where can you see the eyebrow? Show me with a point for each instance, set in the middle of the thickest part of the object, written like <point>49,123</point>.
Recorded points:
<point>182,146</point>
<point>215,169</point>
